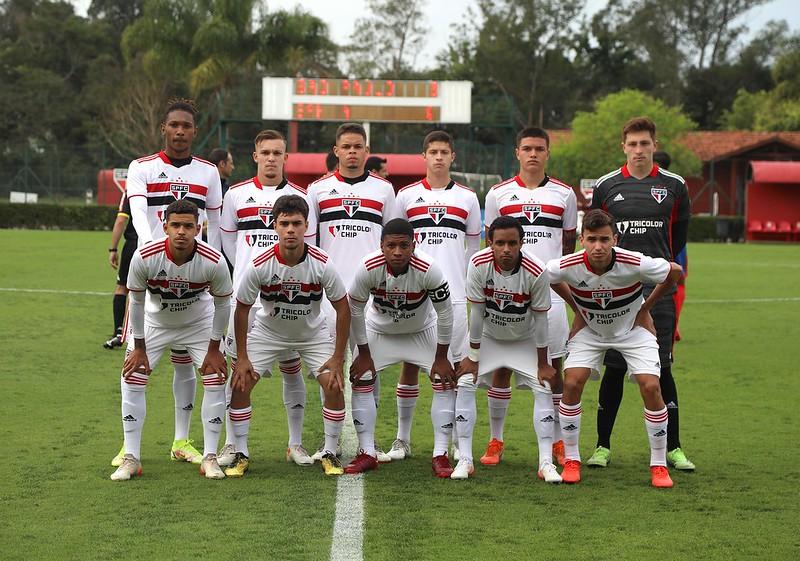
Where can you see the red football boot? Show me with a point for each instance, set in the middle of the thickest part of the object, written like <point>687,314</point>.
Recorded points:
<point>441,466</point>
<point>361,463</point>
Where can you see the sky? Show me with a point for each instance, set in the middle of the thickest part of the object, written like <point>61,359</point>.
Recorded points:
<point>440,16</point>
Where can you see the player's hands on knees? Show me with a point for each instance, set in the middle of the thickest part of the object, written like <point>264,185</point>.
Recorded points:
<point>136,361</point>
<point>547,374</point>
<point>361,364</point>
<point>444,370</point>
<point>466,367</point>
<point>215,363</point>
<point>578,323</point>
<point>243,374</point>
<point>335,367</point>
<point>644,319</point>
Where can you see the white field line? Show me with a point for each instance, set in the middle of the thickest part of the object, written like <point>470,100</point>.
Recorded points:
<point>348,524</point>
<point>743,300</point>
<point>109,292</point>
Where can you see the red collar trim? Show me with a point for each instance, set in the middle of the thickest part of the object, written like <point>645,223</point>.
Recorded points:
<point>519,181</point>
<point>164,157</point>
<point>626,173</point>
<point>257,183</point>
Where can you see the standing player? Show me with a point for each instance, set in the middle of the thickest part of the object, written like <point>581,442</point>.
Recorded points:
<point>651,207</point>
<point>153,183</point>
<point>351,205</point>
<point>606,284</point>
<point>248,229</point>
<point>509,293</point>
<point>123,227</point>
<point>290,278</point>
<point>187,303</point>
<point>446,218</point>
<point>547,210</point>
<point>410,319</point>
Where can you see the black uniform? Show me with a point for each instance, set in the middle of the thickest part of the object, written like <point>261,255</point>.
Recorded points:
<point>131,242</point>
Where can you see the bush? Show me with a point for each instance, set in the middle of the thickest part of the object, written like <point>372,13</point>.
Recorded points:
<point>57,217</point>
<point>716,228</point>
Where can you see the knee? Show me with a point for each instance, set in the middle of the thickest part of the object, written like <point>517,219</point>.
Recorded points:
<point>573,386</point>
<point>650,388</point>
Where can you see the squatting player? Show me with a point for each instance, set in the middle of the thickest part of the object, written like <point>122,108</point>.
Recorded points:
<point>547,210</point>
<point>606,283</point>
<point>651,207</point>
<point>247,230</point>
<point>153,183</point>
<point>509,293</point>
<point>290,278</point>
<point>446,218</point>
<point>410,319</point>
<point>187,301</point>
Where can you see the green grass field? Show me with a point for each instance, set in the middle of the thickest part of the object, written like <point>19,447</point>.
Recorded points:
<point>59,427</point>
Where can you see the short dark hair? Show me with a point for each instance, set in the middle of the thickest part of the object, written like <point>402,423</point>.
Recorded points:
<point>639,124</point>
<point>290,204</point>
<point>374,163</point>
<point>182,206</point>
<point>437,136</point>
<point>533,132</point>
<point>505,223</point>
<point>268,134</point>
<point>180,104</point>
<point>596,219</point>
<point>398,227</point>
<point>354,128</point>
<point>662,159</point>
<point>217,156</point>
<point>331,161</point>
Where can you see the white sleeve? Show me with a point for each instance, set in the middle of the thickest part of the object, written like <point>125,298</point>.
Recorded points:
<point>476,314</point>
<point>213,228</point>
<point>554,270</point>
<point>229,227</point>
<point>654,270</point>
<point>541,333</point>
<point>389,206</point>
<point>540,292</point>
<point>313,222</point>
<point>221,280</point>
<point>475,284</point>
<point>332,283</point>
<point>439,293</point>
<point>359,295</point>
<point>222,314</point>
<point>250,286</point>
<point>137,273</point>
<point>491,208</point>
<point>473,246</point>
<point>474,224</point>
<point>229,245</point>
<point>400,207</point>
<point>570,212</point>
<point>136,189</point>
<point>136,314</point>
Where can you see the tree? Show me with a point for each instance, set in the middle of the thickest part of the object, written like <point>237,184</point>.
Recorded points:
<point>595,146</point>
<point>296,43</point>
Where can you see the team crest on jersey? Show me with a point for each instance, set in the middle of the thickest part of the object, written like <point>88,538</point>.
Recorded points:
<point>419,237</point>
<point>290,289</point>
<point>351,206</point>
<point>622,227</point>
<point>334,230</point>
<point>602,297</point>
<point>437,213</point>
<point>179,190</point>
<point>265,214</point>
<point>250,240</point>
<point>503,297</point>
<point>659,193</point>
<point>531,212</point>
<point>178,288</point>
<point>397,299</point>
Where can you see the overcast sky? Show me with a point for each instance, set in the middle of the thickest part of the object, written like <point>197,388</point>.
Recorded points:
<point>441,15</point>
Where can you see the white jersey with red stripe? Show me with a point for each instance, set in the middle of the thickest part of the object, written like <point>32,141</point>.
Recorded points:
<point>511,297</point>
<point>178,295</point>
<point>156,179</point>
<point>290,296</point>
<point>247,215</point>
<point>442,219</point>
<point>351,213</point>
<point>609,302</point>
<point>545,212</point>
<point>404,303</point>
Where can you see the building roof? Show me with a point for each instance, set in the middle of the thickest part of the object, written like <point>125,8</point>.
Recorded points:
<point>719,145</point>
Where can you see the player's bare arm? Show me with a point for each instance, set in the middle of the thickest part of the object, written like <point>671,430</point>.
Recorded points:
<point>136,361</point>
<point>243,374</point>
<point>568,238</point>
<point>116,235</point>
<point>335,364</point>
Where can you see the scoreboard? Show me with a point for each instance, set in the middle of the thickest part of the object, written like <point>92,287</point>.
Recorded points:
<point>341,99</point>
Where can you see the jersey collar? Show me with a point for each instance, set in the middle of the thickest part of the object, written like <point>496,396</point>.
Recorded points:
<point>521,183</point>
<point>610,265</point>
<point>178,162</point>
<point>351,180</point>
<point>429,188</point>
<point>501,271</point>
<point>280,259</point>
<point>280,185</point>
<point>626,174</point>
<point>168,253</point>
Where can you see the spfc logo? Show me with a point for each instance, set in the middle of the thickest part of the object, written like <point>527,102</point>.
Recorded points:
<point>265,214</point>
<point>531,212</point>
<point>290,289</point>
<point>179,190</point>
<point>351,206</point>
<point>397,299</point>
<point>178,288</point>
<point>250,240</point>
<point>659,193</point>
<point>602,297</point>
<point>333,230</point>
<point>419,237</point>
<point>437,213</point>
<point>503,297</point>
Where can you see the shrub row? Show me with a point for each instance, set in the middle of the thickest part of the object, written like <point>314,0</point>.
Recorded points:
<point>57,217</point>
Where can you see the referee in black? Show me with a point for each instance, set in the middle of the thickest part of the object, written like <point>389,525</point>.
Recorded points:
<point>651,208</point>
<point>123,228</point>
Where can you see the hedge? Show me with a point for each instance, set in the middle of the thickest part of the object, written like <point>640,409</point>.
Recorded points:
<point>716,229</point>
<point>57,217</point>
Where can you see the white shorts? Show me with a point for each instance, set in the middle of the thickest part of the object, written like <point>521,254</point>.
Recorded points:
<point>415,348</point>
<point>638,347</point>
<point>519,356</point>
<point>194,339</point>
<point>557,329</point>
<point>263,351</point>
<point>230,339</point>
<point>460,340</point>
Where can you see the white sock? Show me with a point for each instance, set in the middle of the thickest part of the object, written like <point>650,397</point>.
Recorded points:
<point>557,425</point>
<point>466,414</point>
<point>184,386</point>
<point>498,399</point>
<point>443,417</point>
<point>212,412</point>
<point>230,437</point>
<point>134,410</point>
<point>571,429</point>
<point>406,403</point>
<point>364,415</point>
<point>294,399</point>
<point>655,422</point>
<point>543,421</point>
<point>240,419</point>
<point>332,421</point>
